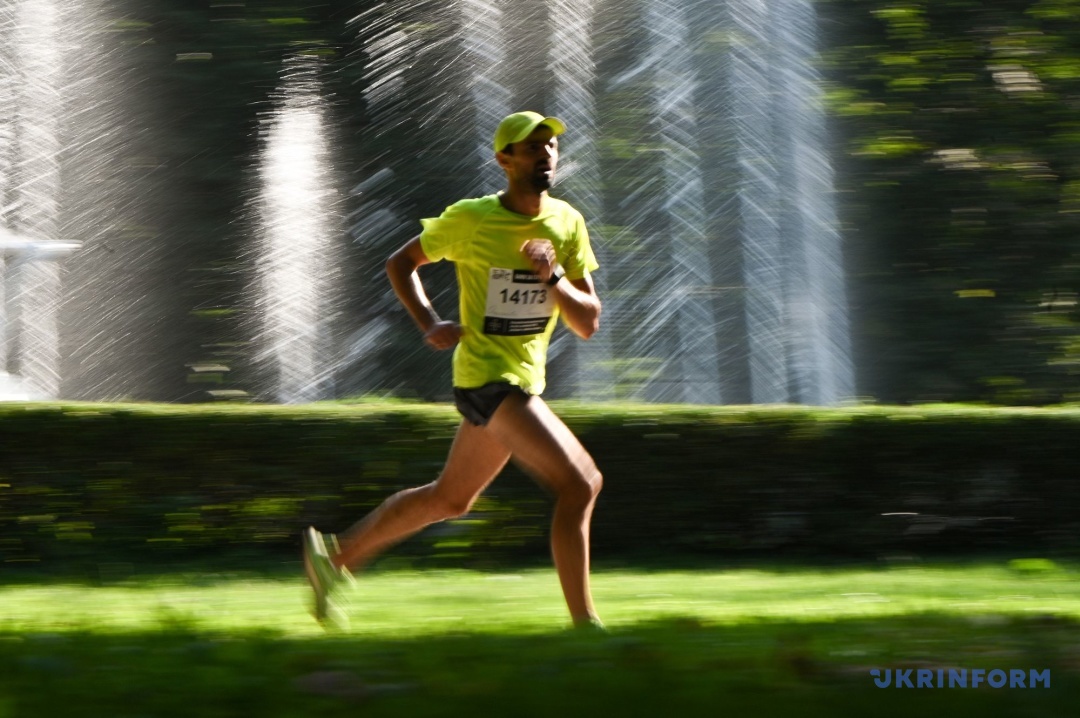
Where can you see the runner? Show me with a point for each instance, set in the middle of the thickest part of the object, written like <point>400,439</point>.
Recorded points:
<point>523,260</point>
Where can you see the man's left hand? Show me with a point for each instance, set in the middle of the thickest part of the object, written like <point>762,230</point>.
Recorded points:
<point>541,255</point>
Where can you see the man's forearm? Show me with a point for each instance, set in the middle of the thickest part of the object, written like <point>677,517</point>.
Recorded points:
<point>580,309</point>
<point>410,292</point>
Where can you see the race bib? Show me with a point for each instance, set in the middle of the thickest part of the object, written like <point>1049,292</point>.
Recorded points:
<point>518,303</point>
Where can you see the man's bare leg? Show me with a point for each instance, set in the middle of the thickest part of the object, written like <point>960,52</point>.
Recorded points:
<point>545,447</point>
<point>476,458</point>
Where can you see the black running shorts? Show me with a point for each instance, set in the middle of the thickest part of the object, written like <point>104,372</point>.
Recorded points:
<point>479,404</point>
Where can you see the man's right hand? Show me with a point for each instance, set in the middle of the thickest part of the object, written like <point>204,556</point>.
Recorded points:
<point>443,335</point>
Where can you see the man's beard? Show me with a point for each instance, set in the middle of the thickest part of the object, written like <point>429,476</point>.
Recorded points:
<point>541,182</point>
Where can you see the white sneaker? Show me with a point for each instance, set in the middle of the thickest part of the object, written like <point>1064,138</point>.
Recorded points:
<point>324,577</point>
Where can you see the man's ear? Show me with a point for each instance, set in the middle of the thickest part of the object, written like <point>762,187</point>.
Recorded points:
<point>502,158</point>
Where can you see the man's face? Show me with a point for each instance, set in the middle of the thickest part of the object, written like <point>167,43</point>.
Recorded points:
<point>533,160</point>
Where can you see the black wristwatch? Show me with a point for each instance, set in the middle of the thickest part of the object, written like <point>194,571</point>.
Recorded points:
<point>556,275</point>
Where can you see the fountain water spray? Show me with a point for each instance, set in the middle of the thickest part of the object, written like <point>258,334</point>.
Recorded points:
<point>820,352</point>
<point>31,81</point>
<point>16,254</point>
<point>297,227</point>
<point>572,62</point>
<point>796,310</point>
<point>486,49</point>
<point>693,357</point>
<point>764,259</point>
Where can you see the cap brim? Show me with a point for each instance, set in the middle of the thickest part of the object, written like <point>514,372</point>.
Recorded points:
<point>554,123</point>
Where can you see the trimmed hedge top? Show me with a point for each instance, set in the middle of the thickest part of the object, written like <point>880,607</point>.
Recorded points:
<point>102,482</point>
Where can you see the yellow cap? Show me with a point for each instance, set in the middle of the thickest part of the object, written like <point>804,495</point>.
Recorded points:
<point>518,126</point>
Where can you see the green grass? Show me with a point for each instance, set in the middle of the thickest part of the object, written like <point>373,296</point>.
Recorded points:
<point>787,641</point>
<point>408,603</point>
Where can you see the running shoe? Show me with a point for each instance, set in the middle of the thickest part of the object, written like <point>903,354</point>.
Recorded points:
<point>324,577</point>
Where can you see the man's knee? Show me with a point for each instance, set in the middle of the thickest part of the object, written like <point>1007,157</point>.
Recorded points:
<point>596,482</point>
<point>582,485</point>
<point>450,506</point>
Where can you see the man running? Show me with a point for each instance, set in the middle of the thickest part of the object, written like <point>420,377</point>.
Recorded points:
<point>523,260</point>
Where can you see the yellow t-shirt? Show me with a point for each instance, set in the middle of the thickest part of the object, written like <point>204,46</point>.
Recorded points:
<point>507,313</point>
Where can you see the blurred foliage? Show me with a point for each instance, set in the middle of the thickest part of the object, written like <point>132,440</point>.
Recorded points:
<point>957,142</point>
<point>112,482</point>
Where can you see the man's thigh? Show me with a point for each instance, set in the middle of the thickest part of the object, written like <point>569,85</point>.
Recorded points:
<point>476,458</point>
<point>540,441</point>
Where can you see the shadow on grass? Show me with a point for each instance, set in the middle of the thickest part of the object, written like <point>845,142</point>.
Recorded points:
<point>671,668</point>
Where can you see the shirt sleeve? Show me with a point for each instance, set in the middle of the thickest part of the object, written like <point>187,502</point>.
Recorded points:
<point>446,236</point>
<point>580,258</point>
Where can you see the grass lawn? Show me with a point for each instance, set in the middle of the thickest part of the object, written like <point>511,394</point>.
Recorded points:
<point>789,641</point>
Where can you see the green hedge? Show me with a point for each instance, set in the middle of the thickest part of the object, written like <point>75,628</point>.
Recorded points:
<point>160,482</point>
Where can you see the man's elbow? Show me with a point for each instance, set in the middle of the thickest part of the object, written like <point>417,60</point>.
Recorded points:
<point>407,259</point>
<point>398,264</point>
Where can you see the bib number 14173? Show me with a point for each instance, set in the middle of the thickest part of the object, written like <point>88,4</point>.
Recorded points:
<point>517,303</point>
